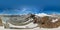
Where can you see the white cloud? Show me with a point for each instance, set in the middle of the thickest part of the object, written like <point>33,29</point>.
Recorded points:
<point>24,9</point>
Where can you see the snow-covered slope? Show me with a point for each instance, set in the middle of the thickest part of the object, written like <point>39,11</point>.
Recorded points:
<point>42,14</point>
<point>37,28</point>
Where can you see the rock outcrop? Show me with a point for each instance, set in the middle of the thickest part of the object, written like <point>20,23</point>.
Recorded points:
<point>46,22</point>
<point>1,22</point>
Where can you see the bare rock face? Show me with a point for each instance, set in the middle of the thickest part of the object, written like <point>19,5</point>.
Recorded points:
<point>46,22</point>
<point>0,22</point>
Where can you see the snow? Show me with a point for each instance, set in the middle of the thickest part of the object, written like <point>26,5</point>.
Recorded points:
<point>54,20</point>
<point>42,14</point>
<point>37,28</point>
<point>33,25</point>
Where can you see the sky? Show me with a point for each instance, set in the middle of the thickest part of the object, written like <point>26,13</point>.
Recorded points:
<point>29,6</point>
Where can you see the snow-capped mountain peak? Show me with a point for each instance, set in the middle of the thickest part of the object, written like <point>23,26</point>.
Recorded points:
<point>42,14</point>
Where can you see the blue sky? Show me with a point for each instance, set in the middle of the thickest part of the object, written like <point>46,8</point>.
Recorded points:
<point>29,6</point>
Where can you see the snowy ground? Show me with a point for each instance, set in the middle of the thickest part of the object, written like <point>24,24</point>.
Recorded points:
<point>31,25</point>
<point>37,28</point>
<point>1,28</point>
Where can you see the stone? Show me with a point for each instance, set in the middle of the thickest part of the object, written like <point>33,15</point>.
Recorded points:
<point>1,22</point>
